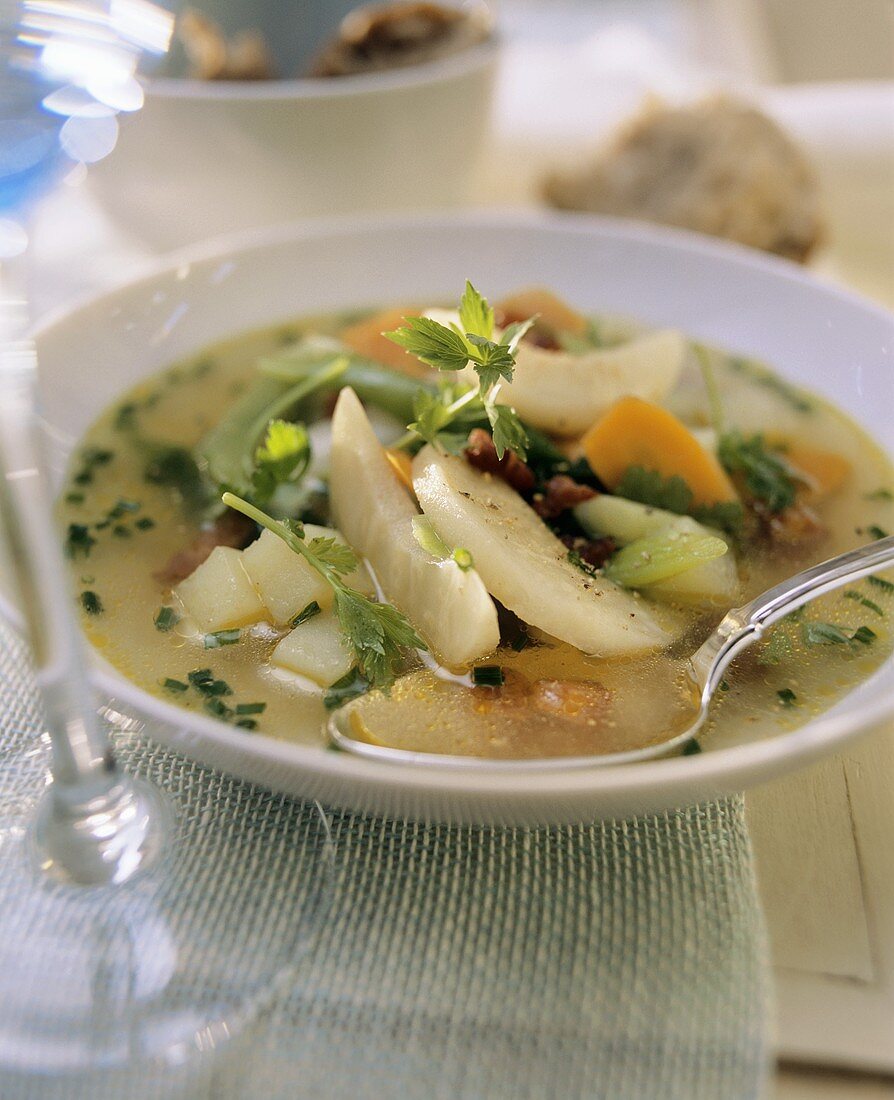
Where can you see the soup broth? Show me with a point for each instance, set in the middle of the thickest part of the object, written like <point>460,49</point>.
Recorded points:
<point>134,499</point>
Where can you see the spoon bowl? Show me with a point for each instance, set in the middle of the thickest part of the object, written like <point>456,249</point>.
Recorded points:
<point>703,671</point>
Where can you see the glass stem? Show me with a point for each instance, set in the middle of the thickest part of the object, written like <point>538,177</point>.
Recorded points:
<point>94,824</point>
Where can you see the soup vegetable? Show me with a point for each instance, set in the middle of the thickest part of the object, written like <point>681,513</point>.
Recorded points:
<point>488,531</point>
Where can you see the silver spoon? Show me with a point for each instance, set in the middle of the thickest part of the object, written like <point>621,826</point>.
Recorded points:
<point>738,629</point>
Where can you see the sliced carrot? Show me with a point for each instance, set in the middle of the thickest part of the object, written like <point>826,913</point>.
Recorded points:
<point>402,465</point>
<point>554,313</point>
<point>826,471</point>
<point>637,433</point>
<point>365,337</point>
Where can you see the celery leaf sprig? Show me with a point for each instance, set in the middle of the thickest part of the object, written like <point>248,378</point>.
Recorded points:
<point>377,633</point>
<point>453,347</point>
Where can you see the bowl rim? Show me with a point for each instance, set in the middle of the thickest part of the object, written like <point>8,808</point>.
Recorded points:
<point>471,59</point>
<point>715,769</point>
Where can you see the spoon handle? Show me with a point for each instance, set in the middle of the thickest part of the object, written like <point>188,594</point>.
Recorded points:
<point>744,625</point>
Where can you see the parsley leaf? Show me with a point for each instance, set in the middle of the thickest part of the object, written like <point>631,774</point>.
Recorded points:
<point>766,476</point>
<point>452,348</point>
<point>725,515</point>
<point>649,487</point>
<point>432,343</point>
<point>283,456</point>
<point>787,698</point>
<point>475,314</point>
<point>508,431</point>
<point>335,555</point>
<point>377,633</point>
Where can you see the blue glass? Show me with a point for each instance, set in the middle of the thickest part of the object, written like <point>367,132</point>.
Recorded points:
<point>66,67</point>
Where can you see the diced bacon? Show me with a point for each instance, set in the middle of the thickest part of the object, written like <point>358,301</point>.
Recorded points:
<point>561,493</point>
<point>595,552</point>
<point>230,529</point>
<point>482,454</point>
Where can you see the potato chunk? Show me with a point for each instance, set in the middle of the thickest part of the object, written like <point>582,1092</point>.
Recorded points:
<point>316,649</point>
<point>286,583</point>
<point>219,594</point>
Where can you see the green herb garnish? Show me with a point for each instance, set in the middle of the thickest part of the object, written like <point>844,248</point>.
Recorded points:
<point>245,723</point>
<point>78,540</point>
<point>144,523</point>
<point>169,684</point>
<point>202,679</point>
<point>121,532</point>
<point>122,508</point>
<point>864,601</point>
<point>691,748</point>
<point>766,476</point>
<point>830,634</point>
<point>217,708</point>
<point>787,697</point>
<point>165,619</point>
<point>454,347</point>
<point>219,638</point>
<point>91,603</point>
<point>649,487</point>
<point>283,457</point>
<point>74,498</point>
<point>349,687</point>
<point>766,378</point>
<point>125,417</point>
<point>432,543</point>
<point>488,676</point>
<point>377,633</point>
<point>877,532</point>
<point>313,608</point>
<point>824,634</point>
<point>879,494</point>
<point>250,708</point>
<point>880,582</point>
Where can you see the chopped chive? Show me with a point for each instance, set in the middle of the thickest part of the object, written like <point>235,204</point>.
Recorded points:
<point>692,747</point>
<point>121,531</point>
<point>221,637</point>
<point>200,676</point>
<point>91,603</point>
<point>877,532</point>
<point>250,708</point>
<point>864,601</point>
<point>880,582</point>
<point>122,507</point>
<point>97,456</point>
<point>144,523</point>
<point>487,676</point>
<point>78,540</point>
<point>519,642</point>
<point>723,685</point>
<point>217,708</point>
<point>125,417</point>
<point>787,698</point>
<point>313,608</point>
<point>202,679</point>
<point>865,635</point>
<point>102,525</point>
<point>246,723</point>
<point>169,684</point>
<point>165,619</point>
<point>824,634</point>
<point>74,498</point>
<point>83,477</point>
<point>879,494</point>
<point>349,687</point>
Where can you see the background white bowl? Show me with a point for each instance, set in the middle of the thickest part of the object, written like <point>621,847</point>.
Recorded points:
<point>817,335</point>
<point>204,158</point>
